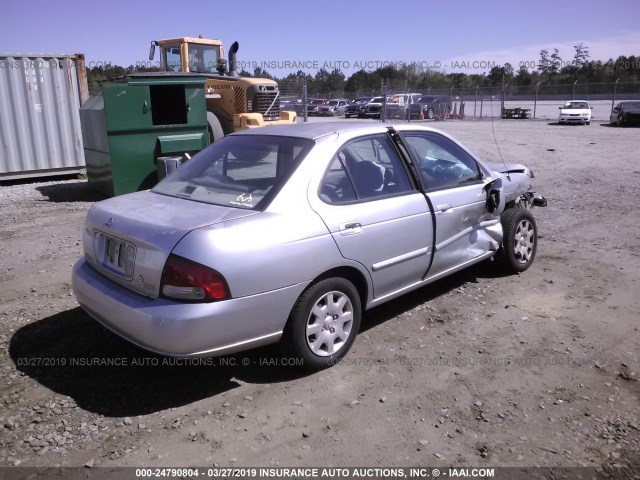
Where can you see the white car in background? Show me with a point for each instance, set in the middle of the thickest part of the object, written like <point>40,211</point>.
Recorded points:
<point>575,111</point>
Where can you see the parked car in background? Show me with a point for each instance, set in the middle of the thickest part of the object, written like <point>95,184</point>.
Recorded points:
<point>429,106</point>
<point>575,111</point>
<point>313,106</point>
<point>399,105</point>
<point>289,233</point>
<point>292,105</point>
<point>334,108</point>
<point>357,108</point>
<point>625,113</point>
<point>374,107</point>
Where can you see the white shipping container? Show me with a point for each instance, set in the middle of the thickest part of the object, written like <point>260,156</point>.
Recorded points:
<point>40,131</point>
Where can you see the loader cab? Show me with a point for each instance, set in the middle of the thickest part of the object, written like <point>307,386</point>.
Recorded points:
<point>188,54</point>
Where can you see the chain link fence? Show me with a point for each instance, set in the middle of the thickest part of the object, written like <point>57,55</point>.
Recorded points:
<point>541,101</point>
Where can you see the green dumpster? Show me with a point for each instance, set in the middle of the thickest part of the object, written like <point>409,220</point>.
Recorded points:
<point>133,127</point>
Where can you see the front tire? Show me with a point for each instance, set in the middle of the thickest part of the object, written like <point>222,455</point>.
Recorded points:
<point>324,323</point>
<point>215,128</point>
<point>520,240</point>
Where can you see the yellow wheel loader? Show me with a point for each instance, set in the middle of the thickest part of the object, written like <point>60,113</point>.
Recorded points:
<point>233,102</point>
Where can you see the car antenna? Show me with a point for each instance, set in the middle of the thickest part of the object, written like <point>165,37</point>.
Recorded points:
<point>495,140</point>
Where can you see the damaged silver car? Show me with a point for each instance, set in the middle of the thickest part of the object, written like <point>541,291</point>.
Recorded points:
<point>290,233</point>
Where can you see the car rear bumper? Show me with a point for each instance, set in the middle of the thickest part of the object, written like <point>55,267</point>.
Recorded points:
<point>184,329</point>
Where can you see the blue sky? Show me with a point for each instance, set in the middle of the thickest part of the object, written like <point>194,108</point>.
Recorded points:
<point>463,35</point>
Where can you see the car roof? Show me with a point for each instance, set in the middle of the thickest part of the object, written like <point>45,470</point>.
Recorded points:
<point>321,129</point>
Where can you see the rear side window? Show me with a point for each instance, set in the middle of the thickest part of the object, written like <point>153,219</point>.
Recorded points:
<point>243,171</point>
<point>364,169</point>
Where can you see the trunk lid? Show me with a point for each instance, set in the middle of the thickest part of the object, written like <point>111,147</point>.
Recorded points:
<point>129,238</point>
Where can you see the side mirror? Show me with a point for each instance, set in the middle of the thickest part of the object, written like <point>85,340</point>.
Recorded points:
<point>495,197</point>
<point>152,50</point>
<point>559,108</point>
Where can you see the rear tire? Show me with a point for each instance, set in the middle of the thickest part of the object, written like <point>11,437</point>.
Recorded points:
<point>324,323</point>
<point>520,240</point>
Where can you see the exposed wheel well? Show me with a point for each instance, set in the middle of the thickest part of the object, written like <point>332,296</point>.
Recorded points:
<point>351,274</point>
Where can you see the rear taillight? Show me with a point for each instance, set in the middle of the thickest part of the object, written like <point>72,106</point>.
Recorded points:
<point>183,279</point>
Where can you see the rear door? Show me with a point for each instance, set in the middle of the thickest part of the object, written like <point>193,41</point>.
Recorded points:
<point>465,230</point>
<point>376,214</point>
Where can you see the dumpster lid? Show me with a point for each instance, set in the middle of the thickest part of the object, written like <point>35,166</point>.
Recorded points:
<point>168,78</point>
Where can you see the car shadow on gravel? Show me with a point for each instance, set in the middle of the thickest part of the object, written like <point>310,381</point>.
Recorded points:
<point>409,301</point>
<point>73,355</point>
<point>70,192</point>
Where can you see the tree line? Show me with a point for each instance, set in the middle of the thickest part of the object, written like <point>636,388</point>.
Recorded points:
<point>551,69</point>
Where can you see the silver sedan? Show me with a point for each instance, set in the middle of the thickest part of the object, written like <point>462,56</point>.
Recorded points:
<point>290,233</point>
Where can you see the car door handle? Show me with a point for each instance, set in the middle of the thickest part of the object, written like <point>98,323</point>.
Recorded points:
<point>350,228</point>
<point>444,208</point>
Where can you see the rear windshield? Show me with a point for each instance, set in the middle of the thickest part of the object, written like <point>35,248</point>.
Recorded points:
<point>243,171</point>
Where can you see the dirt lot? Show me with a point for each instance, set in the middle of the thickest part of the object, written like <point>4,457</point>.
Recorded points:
<point>476,370</point>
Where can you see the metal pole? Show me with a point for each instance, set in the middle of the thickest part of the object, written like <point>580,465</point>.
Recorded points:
<point>504,88</point>
<point>502,101</point>
<point>573,93</point>
<point>304,100</point>
<point>383,107</point>
<point>475,102</point>
<point>613,100</point>
<point>481,102</point>
<point>535,101</point>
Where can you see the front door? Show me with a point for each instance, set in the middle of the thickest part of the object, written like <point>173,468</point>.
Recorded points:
<point>465,229</point>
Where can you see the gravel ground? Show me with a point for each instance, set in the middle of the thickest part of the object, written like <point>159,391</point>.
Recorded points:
<point>479,369</point>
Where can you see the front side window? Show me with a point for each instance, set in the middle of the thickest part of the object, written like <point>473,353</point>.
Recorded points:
<point>243,171</point>
<point>203,58</point>
<point>443,164</point>
<point>171,58</point>
<point>364,169</point>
